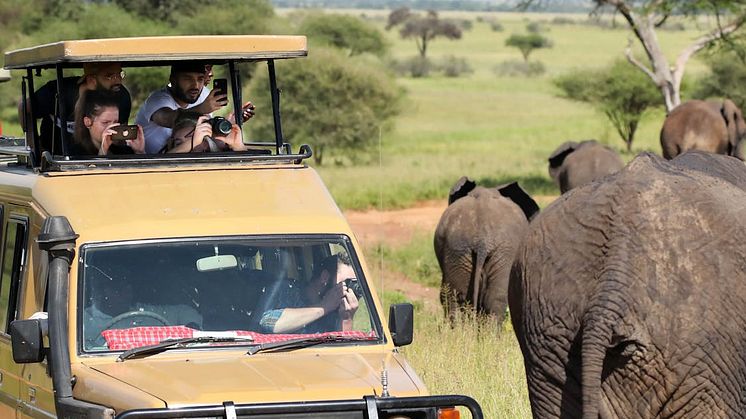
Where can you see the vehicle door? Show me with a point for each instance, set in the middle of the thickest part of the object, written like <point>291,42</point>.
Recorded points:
<point>14,245</point>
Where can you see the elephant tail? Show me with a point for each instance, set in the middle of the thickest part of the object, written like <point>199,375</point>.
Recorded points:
<point>478,259</point>
<point>595,340</point>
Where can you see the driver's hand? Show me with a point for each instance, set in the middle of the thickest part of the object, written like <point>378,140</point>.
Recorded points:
<point>349,304</point>
<point>333,298</point>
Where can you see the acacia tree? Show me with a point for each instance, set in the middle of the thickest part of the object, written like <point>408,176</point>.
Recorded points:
<point>422,29</point>
<point>620,92</point>
<point>527,43</point>
<point>644,16</point>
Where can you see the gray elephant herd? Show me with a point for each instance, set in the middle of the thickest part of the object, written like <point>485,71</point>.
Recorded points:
<point>627,294</point>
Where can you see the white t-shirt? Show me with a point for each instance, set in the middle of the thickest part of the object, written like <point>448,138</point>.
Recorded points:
<point>156,135</point>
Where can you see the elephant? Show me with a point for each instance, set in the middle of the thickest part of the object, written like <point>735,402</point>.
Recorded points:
<point>627,296</point>
<point>717,127</point>
<point>475,242</point>
<point>574,164</point>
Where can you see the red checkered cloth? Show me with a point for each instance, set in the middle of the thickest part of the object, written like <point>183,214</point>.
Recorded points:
<point>135,337</point>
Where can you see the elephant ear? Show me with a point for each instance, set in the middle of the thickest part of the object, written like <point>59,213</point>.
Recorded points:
<point>460,189</point>
<point>729,112</point>
<point>558,157</point>
<point>515,193</point>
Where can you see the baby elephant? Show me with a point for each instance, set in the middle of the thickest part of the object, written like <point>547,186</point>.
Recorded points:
<point>475,244</point>
<point>574,164</point>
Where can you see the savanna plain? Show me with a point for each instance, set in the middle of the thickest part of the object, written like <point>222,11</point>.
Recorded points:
<point>494,129</point>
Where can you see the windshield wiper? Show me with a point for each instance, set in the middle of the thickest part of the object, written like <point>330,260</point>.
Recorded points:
<point>305,343</point>
<point>177,343</point>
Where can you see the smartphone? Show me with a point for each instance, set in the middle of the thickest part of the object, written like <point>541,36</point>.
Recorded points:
<point>124,132</point>
<point>220,85</point>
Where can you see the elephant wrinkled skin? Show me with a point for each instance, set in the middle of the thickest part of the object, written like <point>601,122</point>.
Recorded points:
<point>574,164</point>
<point>475,243</point>
<point>715,127</point>
<point>627,296</point>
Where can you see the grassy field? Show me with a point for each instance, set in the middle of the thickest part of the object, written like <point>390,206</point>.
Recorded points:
<point>488,127</point>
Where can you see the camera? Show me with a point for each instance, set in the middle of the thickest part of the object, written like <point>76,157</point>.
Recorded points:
<point>354,285</point>
<point>220,125</point>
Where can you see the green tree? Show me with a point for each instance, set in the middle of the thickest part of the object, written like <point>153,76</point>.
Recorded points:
<point>620,92</point>
<point>335,104</point>
<point>346,32</point>
<point>726,78</point>
<point>527,43</point>
<point>643,17</point>
<point>423,29</point>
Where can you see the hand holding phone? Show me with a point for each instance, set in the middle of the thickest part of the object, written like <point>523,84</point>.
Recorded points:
<point>220,86</point>
<point>124,132</point>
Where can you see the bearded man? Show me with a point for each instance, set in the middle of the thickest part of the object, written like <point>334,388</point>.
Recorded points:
<point>186,90</point>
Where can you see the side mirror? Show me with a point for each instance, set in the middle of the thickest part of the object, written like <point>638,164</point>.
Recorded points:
<point>401,323</point>
<point>27,339</point>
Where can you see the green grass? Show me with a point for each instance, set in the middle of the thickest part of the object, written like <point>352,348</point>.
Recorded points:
<point>493,129</point>
<point>476,357</point>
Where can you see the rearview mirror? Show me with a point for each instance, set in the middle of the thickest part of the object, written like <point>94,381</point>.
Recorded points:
<point>401,323</point>
<point>216,263</point>
<point>27,340</point>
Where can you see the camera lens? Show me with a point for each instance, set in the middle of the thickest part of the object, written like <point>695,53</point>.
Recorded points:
<point>220,125</point>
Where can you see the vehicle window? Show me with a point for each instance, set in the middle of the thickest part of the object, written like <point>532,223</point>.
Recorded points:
<point>134,295</point>
<point>13,261</point>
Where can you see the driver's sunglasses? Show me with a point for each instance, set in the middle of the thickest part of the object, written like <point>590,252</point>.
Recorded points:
<point>114,76</point>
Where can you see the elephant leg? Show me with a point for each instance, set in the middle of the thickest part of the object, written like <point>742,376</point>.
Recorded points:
<point>496,276</point>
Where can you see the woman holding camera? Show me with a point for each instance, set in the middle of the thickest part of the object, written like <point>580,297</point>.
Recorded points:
<point>97,128</point>
<point>195,133</point>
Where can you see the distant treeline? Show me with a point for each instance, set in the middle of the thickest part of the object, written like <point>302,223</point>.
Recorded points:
<point>466,5</point>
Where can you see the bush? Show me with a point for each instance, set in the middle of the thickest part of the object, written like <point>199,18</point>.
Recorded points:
<point>453,66</point>
<point>561,20</point>
<point>416,66</point>
<point>727,78</point>
<point>345,32</point>
<point>513,68</point>
<point>536,27</point>
<point>337,105</point>
<point>496,26</point>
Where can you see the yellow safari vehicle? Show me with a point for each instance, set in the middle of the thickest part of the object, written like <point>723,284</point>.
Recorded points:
<point>156,285</point>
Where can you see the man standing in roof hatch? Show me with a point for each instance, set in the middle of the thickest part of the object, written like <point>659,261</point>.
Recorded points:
<point>104,76</point>
<point>186,90</point>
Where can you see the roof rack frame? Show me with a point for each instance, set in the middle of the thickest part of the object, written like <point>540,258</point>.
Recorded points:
<point>50,164</point>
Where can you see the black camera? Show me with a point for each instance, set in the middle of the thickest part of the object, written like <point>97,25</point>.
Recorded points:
<point>354,285</point>
<point>220,125</point>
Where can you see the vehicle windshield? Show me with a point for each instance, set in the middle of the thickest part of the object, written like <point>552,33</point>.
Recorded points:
<point>257,289</point>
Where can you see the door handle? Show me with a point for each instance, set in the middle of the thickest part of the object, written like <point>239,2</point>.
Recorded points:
<point>31,395</point>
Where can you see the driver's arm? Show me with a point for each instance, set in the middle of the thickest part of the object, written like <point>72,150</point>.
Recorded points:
<point>290,319</point>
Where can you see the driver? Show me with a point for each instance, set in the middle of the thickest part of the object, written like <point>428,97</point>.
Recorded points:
<point>113,307</point>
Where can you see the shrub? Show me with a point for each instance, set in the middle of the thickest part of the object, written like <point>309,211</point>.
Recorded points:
<point>726,78</point>
<point>346,32</point>
<point>337,105</point>
<point>513,68</point>
<point>536,27</point>
<point>496,26</point>
<point>416,66</point>
<point>453,66</point>
<point>561,20</point>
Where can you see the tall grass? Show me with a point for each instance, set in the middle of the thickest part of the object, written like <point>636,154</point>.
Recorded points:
<point>476,357</point>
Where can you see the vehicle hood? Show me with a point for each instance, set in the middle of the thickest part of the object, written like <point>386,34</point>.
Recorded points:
<point>274,377</point>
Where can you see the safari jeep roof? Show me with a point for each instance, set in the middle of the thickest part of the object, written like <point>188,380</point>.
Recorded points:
<point>159,49</point>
